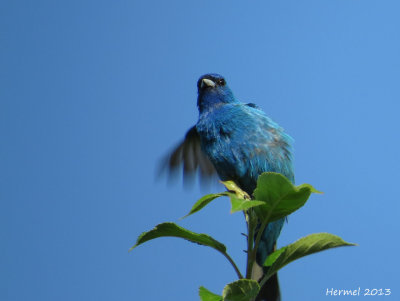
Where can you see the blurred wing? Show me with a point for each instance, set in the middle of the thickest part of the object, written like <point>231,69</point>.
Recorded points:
<point>189,154</point>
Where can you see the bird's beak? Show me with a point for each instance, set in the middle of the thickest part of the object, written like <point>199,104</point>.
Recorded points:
<point>207,83</point>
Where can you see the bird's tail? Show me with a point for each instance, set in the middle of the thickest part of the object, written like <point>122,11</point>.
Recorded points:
<point>270,290</point>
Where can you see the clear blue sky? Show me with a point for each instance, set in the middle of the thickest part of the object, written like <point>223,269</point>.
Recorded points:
<point>94,93</point>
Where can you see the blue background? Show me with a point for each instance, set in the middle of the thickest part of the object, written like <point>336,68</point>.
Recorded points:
<point>94,93</point>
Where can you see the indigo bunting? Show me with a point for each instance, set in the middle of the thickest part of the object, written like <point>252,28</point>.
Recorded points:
<point>237,141</point>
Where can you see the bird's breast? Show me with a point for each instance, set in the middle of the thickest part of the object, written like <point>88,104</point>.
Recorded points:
<point>223,141</point>
<point>242,143</point>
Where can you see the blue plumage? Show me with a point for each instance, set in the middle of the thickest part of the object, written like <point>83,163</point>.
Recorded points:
<point>240,141</point>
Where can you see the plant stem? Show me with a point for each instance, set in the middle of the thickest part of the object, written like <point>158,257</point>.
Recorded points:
<point>251,224</point>
<point>233,264</point>
<point>258,238</point>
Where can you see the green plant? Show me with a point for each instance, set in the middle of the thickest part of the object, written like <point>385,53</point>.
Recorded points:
<point>275,197</point>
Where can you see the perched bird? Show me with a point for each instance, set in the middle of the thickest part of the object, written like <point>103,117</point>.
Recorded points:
<point>239,142</point>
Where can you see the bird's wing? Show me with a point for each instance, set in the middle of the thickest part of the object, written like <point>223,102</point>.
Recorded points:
<point>189,154</point>
<point>253,105</point>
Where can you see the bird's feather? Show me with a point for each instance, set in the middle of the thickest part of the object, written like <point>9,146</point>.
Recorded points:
<point>189,157</point>
<point>238,142</point>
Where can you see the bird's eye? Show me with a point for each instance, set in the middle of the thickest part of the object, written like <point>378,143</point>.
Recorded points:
<point>221,82</point>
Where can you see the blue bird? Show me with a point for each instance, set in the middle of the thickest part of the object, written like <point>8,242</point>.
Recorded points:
<point>239,142</point>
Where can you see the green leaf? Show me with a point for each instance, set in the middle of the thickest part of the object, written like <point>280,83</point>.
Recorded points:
<point>273,256</point>
<point>171,229</point>
<point>240,200</point>
<point>280,196</point>
<point>206,295</point>
<point>205,200</point>
<point>310,244</point>
<point>231,186</point>
<point>241,290</point>
<point>239,204</point>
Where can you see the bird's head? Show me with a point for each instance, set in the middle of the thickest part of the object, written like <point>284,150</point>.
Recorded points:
<point>213,92</point>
